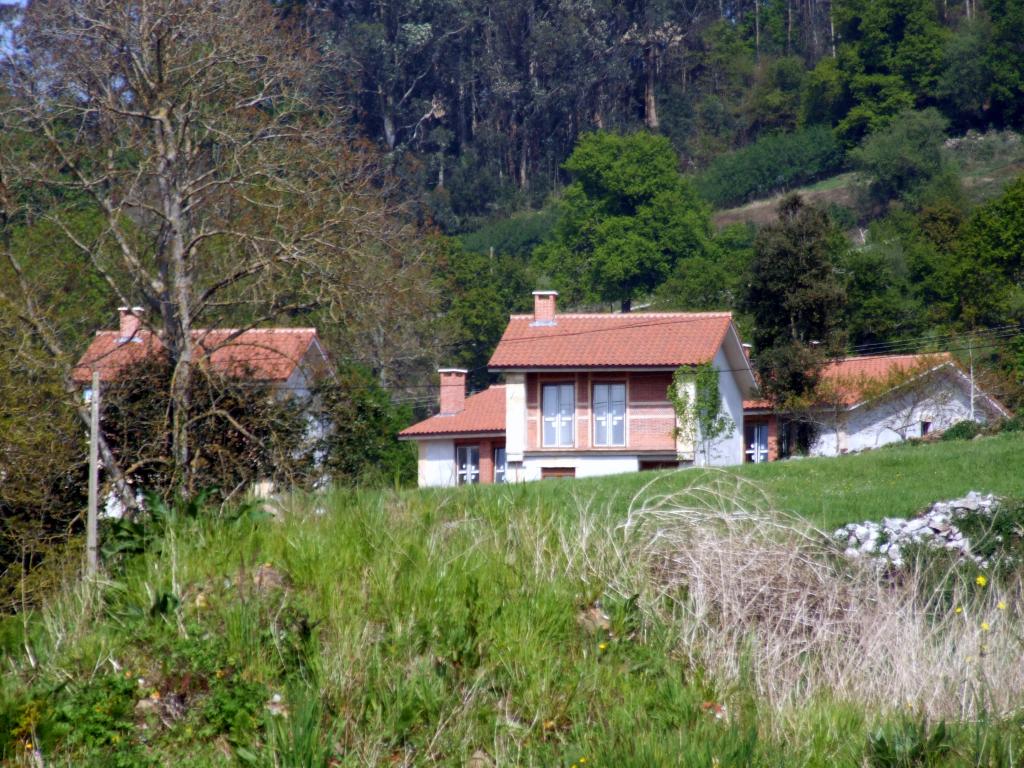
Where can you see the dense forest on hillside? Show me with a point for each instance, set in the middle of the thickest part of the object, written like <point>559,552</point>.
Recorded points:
<point>402,174</point>
<point>479,104</point>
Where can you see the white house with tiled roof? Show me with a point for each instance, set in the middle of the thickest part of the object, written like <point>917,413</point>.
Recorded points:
<point>583,395</point>
<point>290,359</point>
<point>873,400</point>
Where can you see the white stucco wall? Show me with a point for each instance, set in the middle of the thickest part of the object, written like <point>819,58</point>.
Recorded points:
<point>515,416</point>
<point>940,398</point>
<point>728,450</point>
<point>586,465</point>
<point>436,463</point>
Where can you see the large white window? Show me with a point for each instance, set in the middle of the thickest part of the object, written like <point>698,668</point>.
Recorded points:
<point>609,414</point>
<point>559,405</point>
<point>467,460</point>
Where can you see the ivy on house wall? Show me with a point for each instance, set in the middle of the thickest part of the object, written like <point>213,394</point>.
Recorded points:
<point>697,402</point>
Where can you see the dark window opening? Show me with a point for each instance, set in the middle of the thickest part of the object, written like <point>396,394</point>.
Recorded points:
<point>551,473</point>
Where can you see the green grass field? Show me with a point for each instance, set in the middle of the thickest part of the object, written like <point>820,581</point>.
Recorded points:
<point>526,625</point>
<point>892,482</point>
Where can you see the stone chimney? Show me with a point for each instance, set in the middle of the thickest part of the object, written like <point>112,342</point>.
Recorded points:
<point>453,390</point>
<point>544,307</point>
<point>129,323</point>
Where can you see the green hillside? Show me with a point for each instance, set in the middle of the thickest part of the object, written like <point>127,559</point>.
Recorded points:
<point>564,623</point>
<point>984,165</point>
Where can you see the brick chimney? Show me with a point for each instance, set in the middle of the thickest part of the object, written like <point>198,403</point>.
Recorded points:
<point>544,307</point>
<point>129,323</point>
<point>453,390</point>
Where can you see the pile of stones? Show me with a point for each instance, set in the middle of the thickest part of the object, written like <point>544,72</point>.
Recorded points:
<point>935,527</point>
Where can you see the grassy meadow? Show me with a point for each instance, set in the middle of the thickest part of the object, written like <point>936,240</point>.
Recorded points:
<point>684,619</point>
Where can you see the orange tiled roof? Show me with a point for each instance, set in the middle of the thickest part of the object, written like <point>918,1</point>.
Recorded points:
<point>262,354</point>
<point>484,412</point>
<point>854,378</point>
<point>641,339</point>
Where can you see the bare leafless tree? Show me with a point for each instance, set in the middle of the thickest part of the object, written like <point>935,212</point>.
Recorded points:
<point>225,192</point>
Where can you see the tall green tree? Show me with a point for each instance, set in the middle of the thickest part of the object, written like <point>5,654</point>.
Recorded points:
<point>987,276</point>
<point>890,58</point>
<point>904,160</point>
<point>627,219</point>
<point>796,299</point>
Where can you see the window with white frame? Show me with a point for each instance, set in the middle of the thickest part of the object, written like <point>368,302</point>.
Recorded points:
<point>500,465</point>
<point>467,461</point>
<point>559,405</point>
<point>609,414</point>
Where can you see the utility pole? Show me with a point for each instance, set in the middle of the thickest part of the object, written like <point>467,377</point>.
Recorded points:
<point>970,351</point>
<point>92,561</point>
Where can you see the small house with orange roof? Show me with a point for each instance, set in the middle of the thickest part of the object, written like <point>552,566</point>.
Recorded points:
<point>870,401</point>
<point>291,360</point>
<point>584,394</point>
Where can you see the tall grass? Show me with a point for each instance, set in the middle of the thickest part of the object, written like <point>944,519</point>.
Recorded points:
<point>763,598</point>
<point>682,623</point>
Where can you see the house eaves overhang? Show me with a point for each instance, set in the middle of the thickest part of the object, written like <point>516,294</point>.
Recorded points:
<point>450,436</point>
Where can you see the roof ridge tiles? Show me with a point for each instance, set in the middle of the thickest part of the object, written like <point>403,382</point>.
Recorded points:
<point>623,315</point>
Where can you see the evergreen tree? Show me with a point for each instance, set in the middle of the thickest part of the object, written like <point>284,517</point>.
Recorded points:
<point>627,219</point>
<point>796,299</point>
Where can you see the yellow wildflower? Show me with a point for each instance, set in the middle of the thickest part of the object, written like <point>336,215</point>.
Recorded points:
<point>28,745</point>
<point>155,695</point>
<point>583,761</point>
<point>602,646</point>
<point>985,626</point>
<point>1001,605</point>
<point>959,609</point>
<point>981,581</point>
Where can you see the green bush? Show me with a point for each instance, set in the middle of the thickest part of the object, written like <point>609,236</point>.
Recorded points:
<point>904,160</point>
<point>963,430</point>
<point>1015,424</point>
<point>996,537</point>
<point>907,743</point>
<point>771,164</point>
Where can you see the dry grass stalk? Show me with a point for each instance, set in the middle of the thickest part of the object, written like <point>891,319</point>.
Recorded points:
<point>764,599</point>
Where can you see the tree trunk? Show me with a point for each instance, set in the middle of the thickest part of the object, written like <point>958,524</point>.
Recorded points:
<point>831,29</point>
<point>627,306</point>
<point>524,179</point>
<point>650,100</point>
<point>390,132</point>
<point>757,30</point>
<point>789,26</point>
<point>177,304</point>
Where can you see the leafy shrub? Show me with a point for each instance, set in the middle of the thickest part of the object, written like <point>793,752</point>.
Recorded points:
<point>903,159</point>
<point>908,743</point>
<point>996,536</point>
<point>97,718</point>
<point>963,430</point>
<point>234,707</point>
<point>1016,424</point>
<point>771,164</point>
<point>515,236</point>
